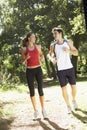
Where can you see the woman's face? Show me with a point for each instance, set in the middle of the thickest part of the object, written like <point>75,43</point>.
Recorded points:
<point>32,38</point>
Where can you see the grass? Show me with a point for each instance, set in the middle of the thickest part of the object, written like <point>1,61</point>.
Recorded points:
<point>83,79</point>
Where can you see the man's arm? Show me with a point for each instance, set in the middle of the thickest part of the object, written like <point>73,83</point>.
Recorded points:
<point>73,50</point>
<point>51,54</point>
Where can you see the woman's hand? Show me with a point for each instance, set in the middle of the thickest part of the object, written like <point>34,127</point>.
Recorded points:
<point>27,57</point>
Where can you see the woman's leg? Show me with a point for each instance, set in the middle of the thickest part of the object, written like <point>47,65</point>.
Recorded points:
<point>30,81</point>
<point>33,100</point>
<point>40,90</point>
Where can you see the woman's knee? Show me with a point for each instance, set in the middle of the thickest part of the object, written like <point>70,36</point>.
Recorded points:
<point>32,94</point>
<point>32,91</point>
<point>41,93</point>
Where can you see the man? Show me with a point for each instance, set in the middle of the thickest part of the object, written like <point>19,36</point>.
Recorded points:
<point>62,49</point>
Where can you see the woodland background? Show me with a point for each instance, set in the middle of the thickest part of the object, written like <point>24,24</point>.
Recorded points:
<point>18,17</point>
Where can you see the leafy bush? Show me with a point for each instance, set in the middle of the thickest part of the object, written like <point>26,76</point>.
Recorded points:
<point>7,81</point>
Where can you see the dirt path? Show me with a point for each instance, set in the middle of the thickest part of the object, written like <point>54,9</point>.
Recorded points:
<point>55,107</point>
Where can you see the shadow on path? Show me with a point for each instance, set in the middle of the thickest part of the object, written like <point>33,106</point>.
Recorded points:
<point>81,118</point>
<point>5,123</point>
<point>83,111</point>
<point>5,118</point>
<point>51,123</point>
<point>31,126</point>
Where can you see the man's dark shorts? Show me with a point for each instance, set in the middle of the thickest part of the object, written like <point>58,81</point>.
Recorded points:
<point>65,76</point>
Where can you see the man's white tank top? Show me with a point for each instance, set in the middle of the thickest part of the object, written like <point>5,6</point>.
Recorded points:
<point>63,58</point>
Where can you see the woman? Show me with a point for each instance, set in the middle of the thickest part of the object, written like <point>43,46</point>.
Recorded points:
<point>31,55</point>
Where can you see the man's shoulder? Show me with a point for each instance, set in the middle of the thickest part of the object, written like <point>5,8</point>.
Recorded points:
<point>54,43</point>
<point>65,40</point>
<point>68,41</point>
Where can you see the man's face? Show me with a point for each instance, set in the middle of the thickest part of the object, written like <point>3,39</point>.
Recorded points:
<point>56,35</point>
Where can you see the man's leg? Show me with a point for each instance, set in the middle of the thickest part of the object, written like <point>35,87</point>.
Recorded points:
<point>65,95</point>
<point>73,88</point>
<point>66,98</point>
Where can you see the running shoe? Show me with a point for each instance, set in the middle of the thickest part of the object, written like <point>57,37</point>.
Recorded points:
<point>75,106</point>
<point>44,114</point>
<point>35,115</point>
<point>69,111</point>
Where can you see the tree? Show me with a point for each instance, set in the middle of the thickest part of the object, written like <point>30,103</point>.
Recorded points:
<point>18,17</point>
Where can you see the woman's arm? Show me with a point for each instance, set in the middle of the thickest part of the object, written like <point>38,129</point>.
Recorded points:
<point>40,52</point>
<point>24,55</point>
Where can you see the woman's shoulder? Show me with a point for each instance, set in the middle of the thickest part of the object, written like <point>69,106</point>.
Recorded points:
<point>38,47</point>
<point>24,49</point>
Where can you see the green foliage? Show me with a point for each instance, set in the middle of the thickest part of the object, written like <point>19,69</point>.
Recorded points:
<point>78,25</point>
<point>82,59</point>
<point>18,17</point>
<point>83,49</point>
<point>7,81</point>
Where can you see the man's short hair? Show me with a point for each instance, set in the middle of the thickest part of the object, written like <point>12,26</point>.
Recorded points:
<point>57,29</point>
<point>60,30</point>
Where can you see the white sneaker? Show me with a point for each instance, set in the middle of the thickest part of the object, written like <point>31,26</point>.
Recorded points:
<point>44,114</point>
<point>35,115</point>
<point>75,106</point>
<point>69,111</point>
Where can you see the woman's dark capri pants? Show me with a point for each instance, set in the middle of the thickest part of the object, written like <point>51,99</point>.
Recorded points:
<point>64,75</point>
<point>31,75</point>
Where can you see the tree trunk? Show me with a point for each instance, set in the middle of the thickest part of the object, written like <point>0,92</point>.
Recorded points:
<point>47,66</point>
<point>50,72</point>
<point>74,59</point>
<point>53,70</point>
<point>74,62</point>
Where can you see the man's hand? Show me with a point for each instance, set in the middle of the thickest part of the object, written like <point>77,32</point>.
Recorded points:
<point>66,49</point>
